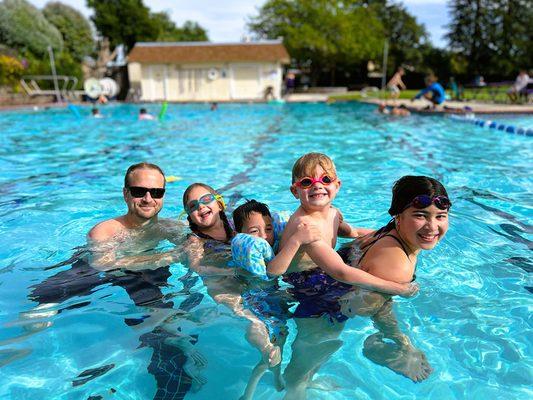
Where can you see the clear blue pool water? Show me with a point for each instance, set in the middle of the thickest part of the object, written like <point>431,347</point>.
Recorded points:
<point>61,175</point>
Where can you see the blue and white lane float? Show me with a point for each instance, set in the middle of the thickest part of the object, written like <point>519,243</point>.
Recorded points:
<point>492,124</point>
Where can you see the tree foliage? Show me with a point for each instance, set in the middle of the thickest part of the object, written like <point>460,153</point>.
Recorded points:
<point>339,34</point>
<point>493,36</point>
<point>169,32</point>
<point>74,28</point>
<point>328,33</point>
<point>130,21</point>
<point>123,21</point>
<point>407,38</point>
<point>24,27</point>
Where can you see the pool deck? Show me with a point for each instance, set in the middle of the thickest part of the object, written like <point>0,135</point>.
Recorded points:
<point>418,106</point>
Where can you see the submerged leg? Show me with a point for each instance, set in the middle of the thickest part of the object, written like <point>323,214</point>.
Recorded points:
<point>314,344</point>
<point>407,361</point>
<point>257,335</point>
<point>257,373</point>
<point>401,356</point>
<point>169,365</point>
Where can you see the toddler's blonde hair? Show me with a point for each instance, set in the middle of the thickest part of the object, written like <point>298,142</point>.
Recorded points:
<point>307,164</point>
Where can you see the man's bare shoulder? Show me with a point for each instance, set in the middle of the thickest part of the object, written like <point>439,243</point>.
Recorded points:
<point>105,230</point>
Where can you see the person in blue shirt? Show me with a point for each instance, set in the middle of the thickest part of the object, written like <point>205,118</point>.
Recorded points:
<point>433,92</point>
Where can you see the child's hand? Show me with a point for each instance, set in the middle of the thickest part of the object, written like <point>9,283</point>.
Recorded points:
<point>410,289</point>
<point>307,233</point>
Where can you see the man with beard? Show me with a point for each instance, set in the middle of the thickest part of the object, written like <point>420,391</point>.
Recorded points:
<point>114,248</point>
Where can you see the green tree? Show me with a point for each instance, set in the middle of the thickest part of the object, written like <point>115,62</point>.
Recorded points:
<point>192,32</point>
<point>169,32</point>
<point>407,38</point>
<point>130,21</point>
<point>494,36</point>
<point>332,34</point>
<point>74,28</point>
<point>124,21</point>
<point>24,27</point>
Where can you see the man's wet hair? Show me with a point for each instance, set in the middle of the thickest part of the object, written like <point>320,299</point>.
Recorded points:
<point>142,165</point>
<point>242,213</point>
<point>142,111</point>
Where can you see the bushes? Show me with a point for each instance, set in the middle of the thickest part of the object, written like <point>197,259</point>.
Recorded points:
<point>74,28</point>
<point>11,71</point>
<point>28,33</point>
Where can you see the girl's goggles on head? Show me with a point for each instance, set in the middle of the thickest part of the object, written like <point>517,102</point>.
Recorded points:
<point>139,192</point>
<point>423,201</point>
<point>205,200</point>
<point>307,182</point>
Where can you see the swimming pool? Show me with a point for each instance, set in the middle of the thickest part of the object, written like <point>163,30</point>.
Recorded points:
<point>61,175</point>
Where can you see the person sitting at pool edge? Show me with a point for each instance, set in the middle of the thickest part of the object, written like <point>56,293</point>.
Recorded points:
<point>521,82</point>
<point>434,92</point>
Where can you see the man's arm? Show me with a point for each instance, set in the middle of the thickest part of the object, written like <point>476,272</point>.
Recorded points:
<point>327,258</point>
<point>103,257</point>
<point>102,240</point>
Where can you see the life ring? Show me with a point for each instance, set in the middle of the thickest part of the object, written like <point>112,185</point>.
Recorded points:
<point>212,74</point>
<point>93,88</point>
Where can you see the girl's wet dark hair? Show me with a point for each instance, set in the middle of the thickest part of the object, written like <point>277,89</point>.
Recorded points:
<point>242,213</point>
<point>195,228</point>
<point>405,190</point>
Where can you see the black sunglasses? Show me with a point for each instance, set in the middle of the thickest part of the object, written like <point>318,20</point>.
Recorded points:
<point>139,191</point>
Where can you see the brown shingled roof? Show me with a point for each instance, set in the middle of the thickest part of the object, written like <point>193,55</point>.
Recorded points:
<point>208,52</point>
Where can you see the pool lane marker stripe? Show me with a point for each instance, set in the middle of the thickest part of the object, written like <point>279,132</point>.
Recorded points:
<point>494,125</point>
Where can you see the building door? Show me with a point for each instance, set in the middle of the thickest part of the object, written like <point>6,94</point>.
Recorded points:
<point>158,80</point>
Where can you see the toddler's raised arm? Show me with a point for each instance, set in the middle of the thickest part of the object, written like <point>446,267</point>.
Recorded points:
<point>304,234</point>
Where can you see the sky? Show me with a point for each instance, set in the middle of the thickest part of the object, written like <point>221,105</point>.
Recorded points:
<point>225,20</point>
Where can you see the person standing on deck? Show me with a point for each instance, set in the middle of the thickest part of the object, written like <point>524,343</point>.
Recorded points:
<point>396,83</point>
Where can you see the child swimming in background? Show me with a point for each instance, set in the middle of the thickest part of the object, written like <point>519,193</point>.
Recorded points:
<point>208,250</point>
<point>267,301</point>
<point>145,116</point>
<point>95,112</point>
